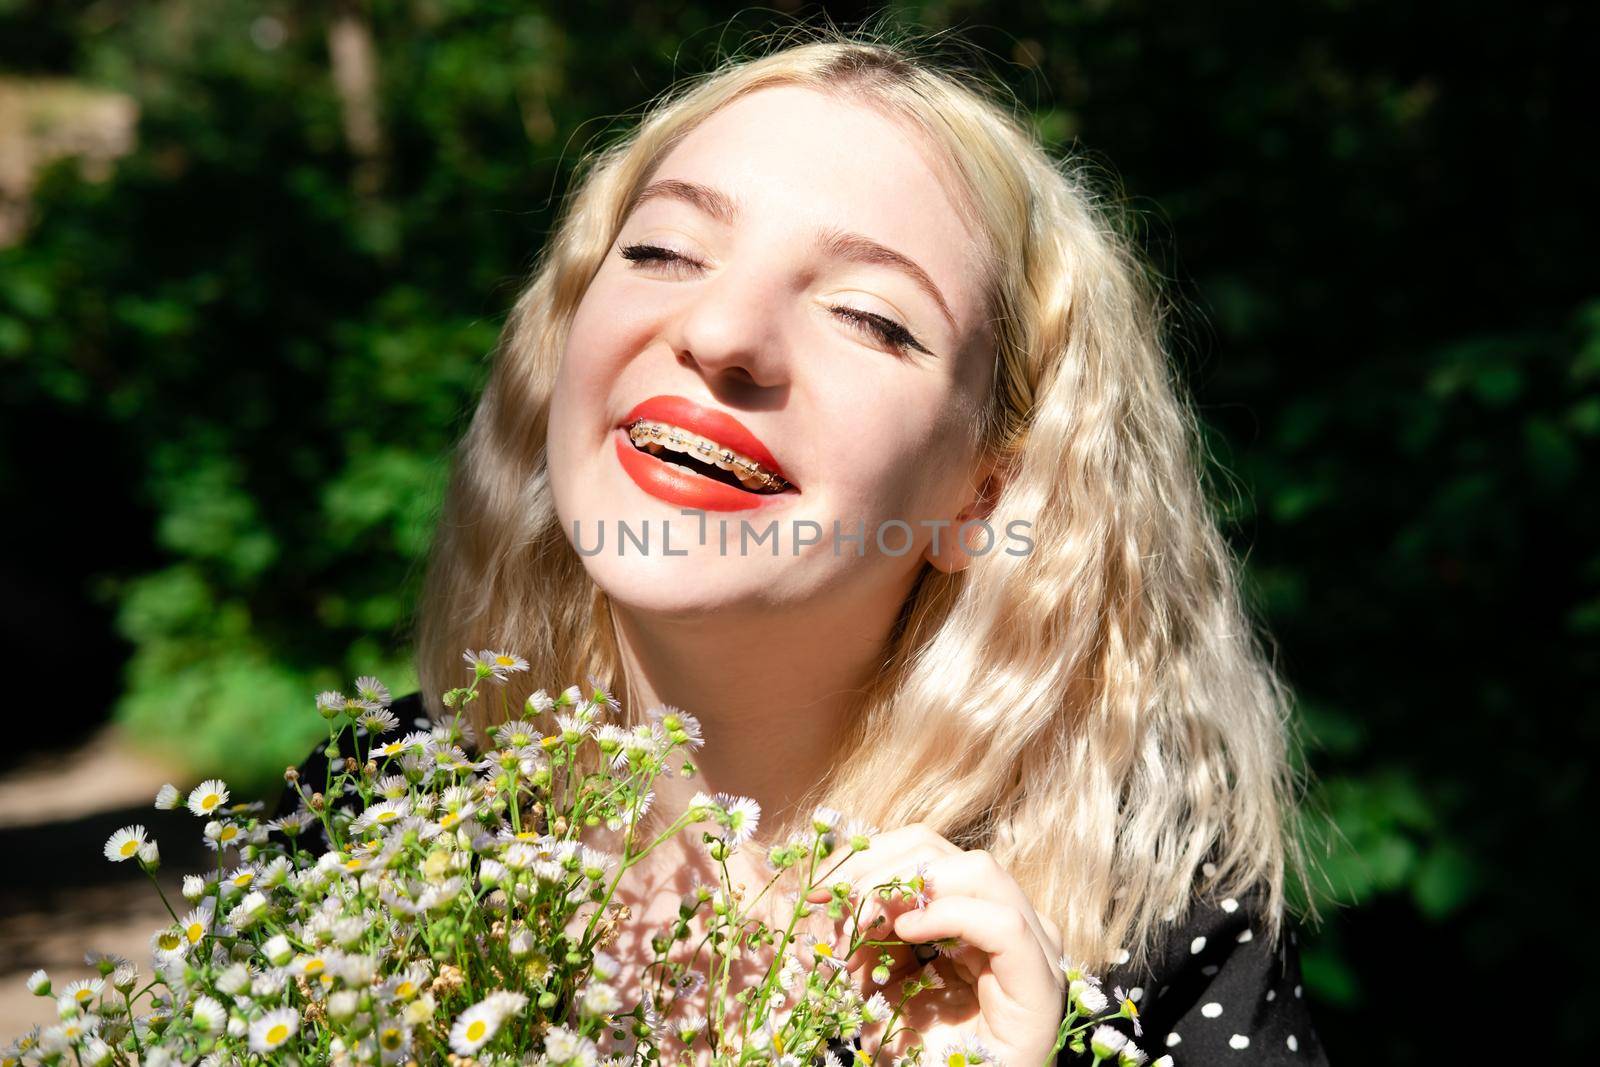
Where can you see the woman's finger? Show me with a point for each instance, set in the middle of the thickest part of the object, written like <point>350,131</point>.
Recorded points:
<point>976,874</point>
<point>1015,957</point>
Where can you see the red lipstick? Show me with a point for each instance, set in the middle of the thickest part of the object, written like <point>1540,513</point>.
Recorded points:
<point>678,484</point>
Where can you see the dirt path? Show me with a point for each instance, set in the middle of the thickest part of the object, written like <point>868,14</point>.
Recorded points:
<point>61,896</point>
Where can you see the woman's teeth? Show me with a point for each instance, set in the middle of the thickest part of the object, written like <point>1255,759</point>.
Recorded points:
<point>653,437</point>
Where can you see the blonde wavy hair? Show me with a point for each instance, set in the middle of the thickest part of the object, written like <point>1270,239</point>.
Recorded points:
<point>1098,714</point>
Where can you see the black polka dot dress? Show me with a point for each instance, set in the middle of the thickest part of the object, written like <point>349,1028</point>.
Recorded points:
<point>1216,992</point>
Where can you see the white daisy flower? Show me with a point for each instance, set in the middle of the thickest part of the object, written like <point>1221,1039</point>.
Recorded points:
<point>1131,1055</point>
<point>195,925</point>
<point>39,983</point>
<point>379,721</point>
<point>474,1028</point>
<point>169,944</point>
<point>416,739</point>
<point>168,797</point>
<point>83,991</point>
<point>600,999</point>
<point>393,786</point>
<point>277,950</point>
<point>1106,1041</point>
<point>222,835</point>
<point>679,725</point>
<point>251,908</point>
<point>497,665</point>
<point>208,796</point>
<point>343,1004</point>
<point>966,1049</point>
<point>291,825</point>
<point>124,844</point>
<point>150,854</point>
<point>209,1015</point>
<point>743,816</point>
<point>1090,998</point>
<point>690,1027</point>
<point>273,1029</point>
<point>394,1040</point>
<point>234,980</point>
<point>599,695</point>
<point>369,688</point>
<point>380,814</point>
<point>194,887</point>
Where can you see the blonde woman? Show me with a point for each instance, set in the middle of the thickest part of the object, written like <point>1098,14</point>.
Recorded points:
<point>836,414</point>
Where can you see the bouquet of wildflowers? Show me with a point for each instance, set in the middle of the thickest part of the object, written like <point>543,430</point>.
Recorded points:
<point>437,923</point>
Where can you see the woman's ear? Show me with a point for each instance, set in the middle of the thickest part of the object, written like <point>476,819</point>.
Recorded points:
<point>951,555</point>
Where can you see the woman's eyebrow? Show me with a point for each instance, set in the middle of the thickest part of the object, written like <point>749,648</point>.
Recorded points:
<point>838,244</point>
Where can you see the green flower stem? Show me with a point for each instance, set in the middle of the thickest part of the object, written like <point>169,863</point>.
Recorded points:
<point>160,893</point>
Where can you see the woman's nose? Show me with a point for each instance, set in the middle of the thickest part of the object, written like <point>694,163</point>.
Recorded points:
<point>731,331</point>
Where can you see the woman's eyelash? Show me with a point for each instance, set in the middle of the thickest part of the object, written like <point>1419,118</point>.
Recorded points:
<point>883,328</point>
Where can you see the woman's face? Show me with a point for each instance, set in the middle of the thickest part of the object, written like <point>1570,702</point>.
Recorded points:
<point>782,210</point>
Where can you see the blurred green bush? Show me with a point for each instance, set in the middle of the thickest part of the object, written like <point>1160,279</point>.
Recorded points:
<point>267,325</point>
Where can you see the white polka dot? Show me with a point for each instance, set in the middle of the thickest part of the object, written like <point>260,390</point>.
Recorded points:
<point>1230,905</point>
<point>1120,956</point>
<point>1173,1039</point>
<point>1197,944</point>
<point>1136,994</point>
<point>1208,869</point>
<point>1211,1010</point>
<point>1245,935</point>
<point>1209,970</point>
<point>1272,994</point>
<point>1238,1041</point>
<point>1296,991</point>
<point>1293,1043</point>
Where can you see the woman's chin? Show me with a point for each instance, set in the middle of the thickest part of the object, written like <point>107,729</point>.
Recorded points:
<point>683,597</point>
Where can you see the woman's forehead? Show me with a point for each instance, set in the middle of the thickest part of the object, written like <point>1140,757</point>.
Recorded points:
<point>793,162</point>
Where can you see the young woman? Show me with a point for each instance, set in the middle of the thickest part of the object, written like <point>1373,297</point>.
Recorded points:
<point>836,414</point>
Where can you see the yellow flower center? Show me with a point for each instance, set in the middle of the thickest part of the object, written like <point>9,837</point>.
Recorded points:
<point>448,820</point>
<point>278,1034</point>
<point>390,1039</point>
<point>209,801</point>
<point>314,965</point>
<point>957,1060</point>
<point>129,847</point>
<point>405,990</point>
<point>169,940</point>
<point>194,932</point>
<point>388,816</point>
<point>84,996</point>
<point>504,661</point>
<point>475,1029</point>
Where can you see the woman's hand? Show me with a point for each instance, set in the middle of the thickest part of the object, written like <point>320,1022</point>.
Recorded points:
<point>1001,984</point>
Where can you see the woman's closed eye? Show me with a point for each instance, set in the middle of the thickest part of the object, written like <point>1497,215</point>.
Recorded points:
<point>881,327</point>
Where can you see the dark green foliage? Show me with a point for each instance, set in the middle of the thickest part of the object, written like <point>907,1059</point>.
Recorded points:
<point>239,364</point>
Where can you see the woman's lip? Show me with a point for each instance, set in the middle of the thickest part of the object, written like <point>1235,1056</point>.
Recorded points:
<point>682,486</point>
<point>721,427</point>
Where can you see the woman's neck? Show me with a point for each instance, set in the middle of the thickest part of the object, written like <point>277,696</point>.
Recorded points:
<point>773,700</point>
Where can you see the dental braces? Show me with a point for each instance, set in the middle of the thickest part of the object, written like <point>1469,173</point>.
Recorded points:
<point>642,431</point>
